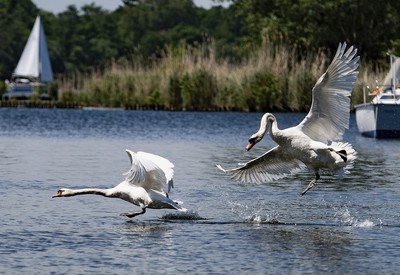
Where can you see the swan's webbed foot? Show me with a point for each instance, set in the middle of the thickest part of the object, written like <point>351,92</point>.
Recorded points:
<point>133,214</point>
<point>311,184</point>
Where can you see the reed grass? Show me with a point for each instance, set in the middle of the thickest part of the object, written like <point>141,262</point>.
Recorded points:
<point>271,78</point>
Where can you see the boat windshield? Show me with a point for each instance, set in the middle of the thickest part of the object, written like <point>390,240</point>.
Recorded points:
<point>387,97</point>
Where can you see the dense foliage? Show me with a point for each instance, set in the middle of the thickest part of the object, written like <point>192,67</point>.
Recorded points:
<point>80,40</point>
<point>87,43</point>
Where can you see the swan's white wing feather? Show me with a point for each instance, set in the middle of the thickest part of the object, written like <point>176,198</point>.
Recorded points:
<point>268,167</point>
<point>164,164</point>
<point>146,172</point>
<point>330,109</point>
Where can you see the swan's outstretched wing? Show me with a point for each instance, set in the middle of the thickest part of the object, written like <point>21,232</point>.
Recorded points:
<point>268,167</point>
<point>149,171</point>
<point>330,109</point>
<point>164,164</point>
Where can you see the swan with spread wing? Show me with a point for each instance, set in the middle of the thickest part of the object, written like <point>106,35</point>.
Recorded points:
<point>143,186</point>
<point>312,144</point>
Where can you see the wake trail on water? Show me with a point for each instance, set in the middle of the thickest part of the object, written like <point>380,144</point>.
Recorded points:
<point>256,214</point>
<point>260,212</point>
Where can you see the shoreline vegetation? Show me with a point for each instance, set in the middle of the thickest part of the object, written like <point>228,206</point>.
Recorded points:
<point>272,78</point>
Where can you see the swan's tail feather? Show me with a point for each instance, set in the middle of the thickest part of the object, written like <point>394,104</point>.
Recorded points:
<point>176,204</point>
<point>182,209</point>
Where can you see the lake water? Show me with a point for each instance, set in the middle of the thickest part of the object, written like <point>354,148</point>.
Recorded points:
<point>348,225</point>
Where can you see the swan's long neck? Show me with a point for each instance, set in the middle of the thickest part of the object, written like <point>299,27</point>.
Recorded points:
<point>268,123</point>
<point>86,191</point>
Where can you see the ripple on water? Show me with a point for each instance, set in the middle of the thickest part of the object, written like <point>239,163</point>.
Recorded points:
<point>236,227</point>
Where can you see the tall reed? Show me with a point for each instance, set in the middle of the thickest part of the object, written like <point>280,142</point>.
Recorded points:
<point>271,78</point>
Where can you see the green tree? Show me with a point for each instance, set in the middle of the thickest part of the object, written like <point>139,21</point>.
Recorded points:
<point>88,41</point>
<point>148,25</point>
<point>323,24</point>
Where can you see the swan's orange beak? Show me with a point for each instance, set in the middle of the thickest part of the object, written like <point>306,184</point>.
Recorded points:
<point>58,194</point>
<point>250,145</point>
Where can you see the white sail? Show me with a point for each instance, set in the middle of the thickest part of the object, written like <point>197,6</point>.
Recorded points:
<point>35,61</point>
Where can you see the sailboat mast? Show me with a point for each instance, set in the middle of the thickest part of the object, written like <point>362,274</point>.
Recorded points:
<point>393,73</point>
<point>40,51</point>
<point>393,68</point>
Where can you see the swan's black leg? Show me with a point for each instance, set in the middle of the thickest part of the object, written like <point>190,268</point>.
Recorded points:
<point>133,214</point>
<point>311,184</point>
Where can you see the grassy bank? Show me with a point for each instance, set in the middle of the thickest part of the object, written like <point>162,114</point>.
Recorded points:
<point>272,79</point>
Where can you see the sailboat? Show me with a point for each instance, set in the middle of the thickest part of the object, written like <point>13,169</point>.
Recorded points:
<point>34,67</point>
<point>380,117</point>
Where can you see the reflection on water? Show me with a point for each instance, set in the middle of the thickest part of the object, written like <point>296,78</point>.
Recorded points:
<point>341,226</point>
<point>317,248</point>
<point>182,216</point>
<point>136,228</point>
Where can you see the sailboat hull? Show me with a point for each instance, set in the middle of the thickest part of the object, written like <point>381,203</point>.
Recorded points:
<point>19,91</point>
<point>378,120</point>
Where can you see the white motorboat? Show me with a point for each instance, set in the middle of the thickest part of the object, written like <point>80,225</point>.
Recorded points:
<point>380,118</point>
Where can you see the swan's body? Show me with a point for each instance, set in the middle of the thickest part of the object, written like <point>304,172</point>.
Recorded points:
<point>306,145</point>
<point>143,186</point>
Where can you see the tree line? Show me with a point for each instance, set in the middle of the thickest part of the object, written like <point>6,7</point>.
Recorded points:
<point>89,37</point>
<point>88,40</point>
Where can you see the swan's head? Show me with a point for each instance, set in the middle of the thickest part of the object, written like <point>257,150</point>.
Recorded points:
<point>266,120</point>
<point>62,193</point>
<point>253,140</point>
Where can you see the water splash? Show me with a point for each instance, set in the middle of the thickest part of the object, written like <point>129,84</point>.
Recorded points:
<point>344,217</point>
<point>253,214</point>
<point>365,223</point>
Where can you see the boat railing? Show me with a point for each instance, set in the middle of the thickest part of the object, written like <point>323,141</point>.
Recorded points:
<point>381,94</point>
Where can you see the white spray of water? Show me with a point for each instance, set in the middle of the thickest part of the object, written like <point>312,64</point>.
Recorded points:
<point>253,214</point>
<point>344,217</point>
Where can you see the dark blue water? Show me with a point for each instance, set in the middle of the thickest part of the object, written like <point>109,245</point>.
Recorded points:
<point>348,225</point>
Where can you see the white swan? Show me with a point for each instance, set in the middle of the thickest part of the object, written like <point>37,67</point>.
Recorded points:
<point>143,185</point>
<point>305,145</point>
